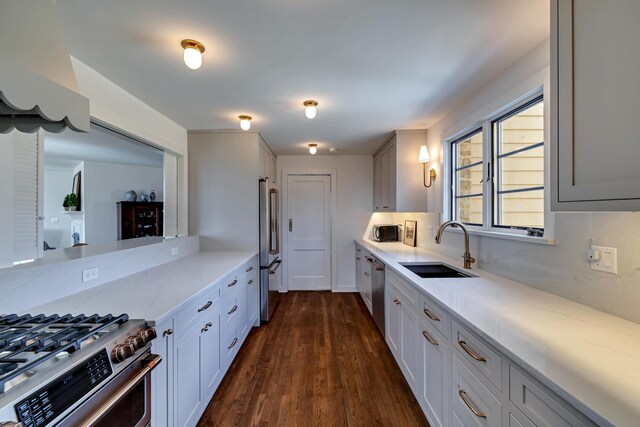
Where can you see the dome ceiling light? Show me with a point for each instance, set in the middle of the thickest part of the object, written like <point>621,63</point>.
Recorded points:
<point>310,108</point>
<point>245,122</point>
<point>192,53</point>
<point>313,148</point>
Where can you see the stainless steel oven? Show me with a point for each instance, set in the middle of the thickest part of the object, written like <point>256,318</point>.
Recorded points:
<point>123,402</point>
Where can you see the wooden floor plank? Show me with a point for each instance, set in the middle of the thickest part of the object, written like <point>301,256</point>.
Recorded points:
<point>320,362</point>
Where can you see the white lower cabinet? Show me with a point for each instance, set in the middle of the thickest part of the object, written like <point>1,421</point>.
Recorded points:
<point>198,343</point>
<point>434,378</point>
<point>459,378</point>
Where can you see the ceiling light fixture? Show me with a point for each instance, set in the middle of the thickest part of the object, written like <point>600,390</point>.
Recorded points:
<point>310,108</point>
<point>245,122</point>
<point>313,148</point>
<point>192,53</point>
<point>424,158</point>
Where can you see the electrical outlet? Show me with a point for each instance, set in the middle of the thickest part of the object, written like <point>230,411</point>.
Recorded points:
<point>607,259</point>
<point>174,251</point>
<point>54,220</point>
<point>89,275</point>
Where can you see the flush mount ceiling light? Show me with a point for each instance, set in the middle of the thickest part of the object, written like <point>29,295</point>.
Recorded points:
<point>245,122</point>
<point>424,158</point>
<point>192,53</point>
<point>310,108</point>
<point>313,148</point>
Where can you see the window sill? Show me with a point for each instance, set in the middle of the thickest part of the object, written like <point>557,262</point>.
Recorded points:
<point>506,236</point>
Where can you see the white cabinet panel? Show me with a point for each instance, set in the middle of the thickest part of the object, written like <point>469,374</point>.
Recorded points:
<point>595,104</point>
<point>210,366</point>
<point>188,395</point>
<point>162,376</point>
<point>434,381</point>
<point>393,321</point>
<point>409,345</point>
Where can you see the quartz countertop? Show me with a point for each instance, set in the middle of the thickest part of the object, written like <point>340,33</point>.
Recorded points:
<point>151,294</point>
<point>590,358</point>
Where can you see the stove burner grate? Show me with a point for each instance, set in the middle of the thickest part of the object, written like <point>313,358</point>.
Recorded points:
<point>27,341</point>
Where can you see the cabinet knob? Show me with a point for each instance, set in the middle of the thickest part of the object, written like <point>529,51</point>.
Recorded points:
<point>206,327</point>
<point>250,282</point>
<point>167,332</point>
<point>396,301</point>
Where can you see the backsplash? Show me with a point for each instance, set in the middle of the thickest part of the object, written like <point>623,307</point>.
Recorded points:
<point>561,269</point>
<point>31,286</point>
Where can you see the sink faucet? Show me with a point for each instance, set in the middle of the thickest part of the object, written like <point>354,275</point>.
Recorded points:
<point>468,259</point>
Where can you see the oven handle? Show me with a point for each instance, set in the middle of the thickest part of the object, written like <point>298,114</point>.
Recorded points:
<point>149,365</point>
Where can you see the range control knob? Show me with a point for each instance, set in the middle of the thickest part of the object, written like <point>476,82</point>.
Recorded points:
<point>121,352</point>
<point>137,341</point>
<point>148,334</point>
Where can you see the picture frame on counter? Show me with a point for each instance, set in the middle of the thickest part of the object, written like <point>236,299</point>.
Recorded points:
<point>410,232</point>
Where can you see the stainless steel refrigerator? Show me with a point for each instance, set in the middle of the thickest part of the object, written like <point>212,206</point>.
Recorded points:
<point>269,248</point>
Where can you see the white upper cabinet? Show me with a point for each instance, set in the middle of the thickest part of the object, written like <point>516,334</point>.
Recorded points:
<point>595,142</point>
<point>267,163</point>
<point>397,174</point>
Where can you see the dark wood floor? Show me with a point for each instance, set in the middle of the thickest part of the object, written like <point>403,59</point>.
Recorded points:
<point>319,362</point>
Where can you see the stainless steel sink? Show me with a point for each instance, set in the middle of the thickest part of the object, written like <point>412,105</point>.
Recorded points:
<point>434,270</point>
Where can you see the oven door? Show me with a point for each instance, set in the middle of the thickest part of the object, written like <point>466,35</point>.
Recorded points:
<point>125,401</point>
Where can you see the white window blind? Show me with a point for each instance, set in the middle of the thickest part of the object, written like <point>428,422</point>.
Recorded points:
<point>25,195</point>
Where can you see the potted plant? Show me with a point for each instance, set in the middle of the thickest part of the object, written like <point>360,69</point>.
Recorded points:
<point>65,203</point>
<point>73,202</point>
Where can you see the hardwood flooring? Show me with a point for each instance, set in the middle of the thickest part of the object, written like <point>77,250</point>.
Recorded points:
<point>320,362</point>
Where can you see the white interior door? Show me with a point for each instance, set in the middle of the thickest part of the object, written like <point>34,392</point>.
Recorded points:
<point>309,232</point>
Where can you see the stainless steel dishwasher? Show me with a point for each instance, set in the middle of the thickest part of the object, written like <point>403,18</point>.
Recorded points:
<point>377,290</point>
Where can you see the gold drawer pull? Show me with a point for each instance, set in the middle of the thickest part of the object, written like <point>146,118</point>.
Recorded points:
<point>430,315</point>
<point>463,396</point>
<point>235,307</point>
<point>233,343</point>
<point>470,352</point>
<point>232,283</point>
<point>396,301</point>
<point>248,269</point>
<point>204,307</point>
<point>429,338</point>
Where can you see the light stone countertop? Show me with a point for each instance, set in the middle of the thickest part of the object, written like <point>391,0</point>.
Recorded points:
<point>151,294</point>
<point>590,358</point>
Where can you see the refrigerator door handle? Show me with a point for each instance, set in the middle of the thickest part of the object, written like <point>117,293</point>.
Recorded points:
<point>274,226</point>
<point>277,264</point>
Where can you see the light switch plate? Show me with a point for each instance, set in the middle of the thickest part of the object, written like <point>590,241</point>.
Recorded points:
<point>608,261</point>
<point>174,251</point>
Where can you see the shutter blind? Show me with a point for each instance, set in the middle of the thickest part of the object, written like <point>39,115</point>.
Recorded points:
<point>25,196</point>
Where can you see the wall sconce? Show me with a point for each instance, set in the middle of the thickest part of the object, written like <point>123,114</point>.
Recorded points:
<point>245,122</point>
<point>424,158</point>
<point>192,53</point>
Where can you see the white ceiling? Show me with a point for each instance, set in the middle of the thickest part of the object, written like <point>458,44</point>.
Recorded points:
<point>67,149</point>
<point>373,65</point>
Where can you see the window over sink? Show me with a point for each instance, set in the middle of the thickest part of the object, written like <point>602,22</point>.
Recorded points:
<point>496,170</point>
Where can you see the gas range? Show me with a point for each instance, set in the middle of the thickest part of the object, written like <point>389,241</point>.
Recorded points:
<point>51,367</point>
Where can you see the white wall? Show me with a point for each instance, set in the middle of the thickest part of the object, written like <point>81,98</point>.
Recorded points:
<point>561,269</point>
<point>104,184</point>
<point>354,202</point>
<point>57,184</point>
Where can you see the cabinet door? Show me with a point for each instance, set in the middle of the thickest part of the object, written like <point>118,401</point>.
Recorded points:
<point>394,319</point>
<point>252,290</point>
<point>273,174</point>
<point>262,161</point>
<point>359,274</point>
<point>384,179</point>
<point>409,345</point>
<point>433,384</point>
<point>162,376</point>
<point>596,99</point>
<point>210,365</point>
<point>377,183</point>
<point>392,176</point>
<point>187,378</point>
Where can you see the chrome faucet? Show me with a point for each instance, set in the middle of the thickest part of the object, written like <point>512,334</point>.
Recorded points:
<point>468,259</point>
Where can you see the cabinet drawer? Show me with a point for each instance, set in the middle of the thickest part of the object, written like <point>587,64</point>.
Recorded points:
<point>230,284</point>
<point>436,316</point>
<point>478,354</point>
<point>541,406</point>
<point>406,291</point>
<point>472,403</point>
<point>196,310</point>
<point>229,345</point>
<point>249,271</point>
